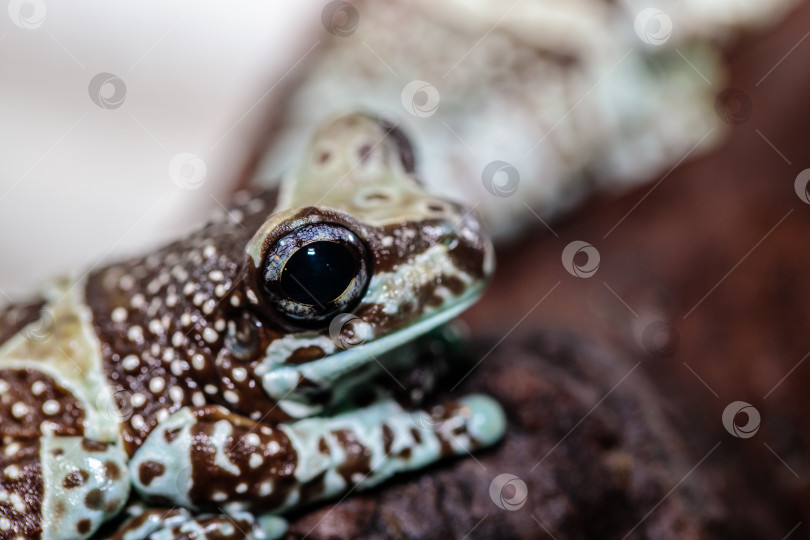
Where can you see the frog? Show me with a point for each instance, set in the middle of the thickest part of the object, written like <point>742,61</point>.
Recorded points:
<point>212,386</point>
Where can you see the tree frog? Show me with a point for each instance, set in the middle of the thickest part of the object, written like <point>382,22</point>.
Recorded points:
<point>204,390</point>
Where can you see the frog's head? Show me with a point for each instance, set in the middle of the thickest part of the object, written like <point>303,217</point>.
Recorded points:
<point>357,258</point>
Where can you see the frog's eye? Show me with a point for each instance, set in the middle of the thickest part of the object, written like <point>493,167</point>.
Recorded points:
<point>316,271</point>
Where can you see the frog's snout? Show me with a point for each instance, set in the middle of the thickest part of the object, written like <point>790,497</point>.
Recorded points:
<point>468,245</point>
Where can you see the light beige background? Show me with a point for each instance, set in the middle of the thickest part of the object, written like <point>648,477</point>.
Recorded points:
<point>79,182</point>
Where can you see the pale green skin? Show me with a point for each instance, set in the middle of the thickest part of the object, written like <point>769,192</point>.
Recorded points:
<point>473,422</point>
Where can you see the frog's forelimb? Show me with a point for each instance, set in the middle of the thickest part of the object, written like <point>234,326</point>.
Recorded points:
<point>239,465</point>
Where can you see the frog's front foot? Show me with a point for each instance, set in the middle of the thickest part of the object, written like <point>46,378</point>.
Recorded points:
<point>207,458</point>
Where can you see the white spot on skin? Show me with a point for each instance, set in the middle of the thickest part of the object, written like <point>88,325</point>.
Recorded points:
<point>185,320</point>
<point>220,290</point>
<point>231,396</point>
<point>215,275</point>
<point>252,296</point>
<point>241,488</point>
<point>209,252</point>
<point>239,374</point>
<point>235,301</point>
<point>265,488</point>
<point>273,448</point>
<point>137,400</point>
<point>162,415</point>
<point>137,422</point>
<point>198,361</point>
<point>171,300</point>
<point>197,399</point>
<point>176,394</point>
<point>219,496</point>
<point>255,460</point>
<point>180,273</point>
<point>168,355</point>
<point>12,472</point>
<point>210,335</point>
<point>131,362</point>
<point>137,301</point>
<point>37,388</point>
<point>219,325</point>
<point>3,386</point>
<point>50,407</point>
<point>126,282</point>
<point>17,502</point>
<point>210,389</point>
<point>119,315</point>
<point>178,367</point>
<point>209,306</point>
<point>12,449</point>
<point>178,339</point>
<point>135,334</point>
<point>5,524</point>
<point>198,299</point>
<point>189,288</point>
<point>19,409</point>
<point>156,385</point>
<point>155,327</point>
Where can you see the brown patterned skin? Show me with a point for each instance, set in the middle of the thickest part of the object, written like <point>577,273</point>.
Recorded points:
<point>21,482</point>
<point>163,320</point>
<point>15,317</point>
<point>184,375</point>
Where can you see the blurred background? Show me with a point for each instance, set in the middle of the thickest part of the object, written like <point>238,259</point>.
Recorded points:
<point>643,167</point>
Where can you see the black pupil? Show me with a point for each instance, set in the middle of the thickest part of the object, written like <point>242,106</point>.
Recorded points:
<point>318,273</point>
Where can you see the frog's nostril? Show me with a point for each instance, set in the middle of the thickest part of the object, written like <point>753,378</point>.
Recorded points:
<point>377,197</point>
<point>435,207</point>
<point>364,152</point>
<point>324,156</point>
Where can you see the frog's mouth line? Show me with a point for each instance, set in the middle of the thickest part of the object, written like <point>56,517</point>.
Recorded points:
<point>281,382</point>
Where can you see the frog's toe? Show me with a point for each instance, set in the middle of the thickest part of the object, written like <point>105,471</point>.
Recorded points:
<point>61,487</point>
<point>486,422</point>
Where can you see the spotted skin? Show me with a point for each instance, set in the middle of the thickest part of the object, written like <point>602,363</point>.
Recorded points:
<point>176,380</point>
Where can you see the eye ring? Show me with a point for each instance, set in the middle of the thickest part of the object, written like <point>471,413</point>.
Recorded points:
<point>315,271</point>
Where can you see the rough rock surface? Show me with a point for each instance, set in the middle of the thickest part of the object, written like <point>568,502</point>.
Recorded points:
<point>586,434</point>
